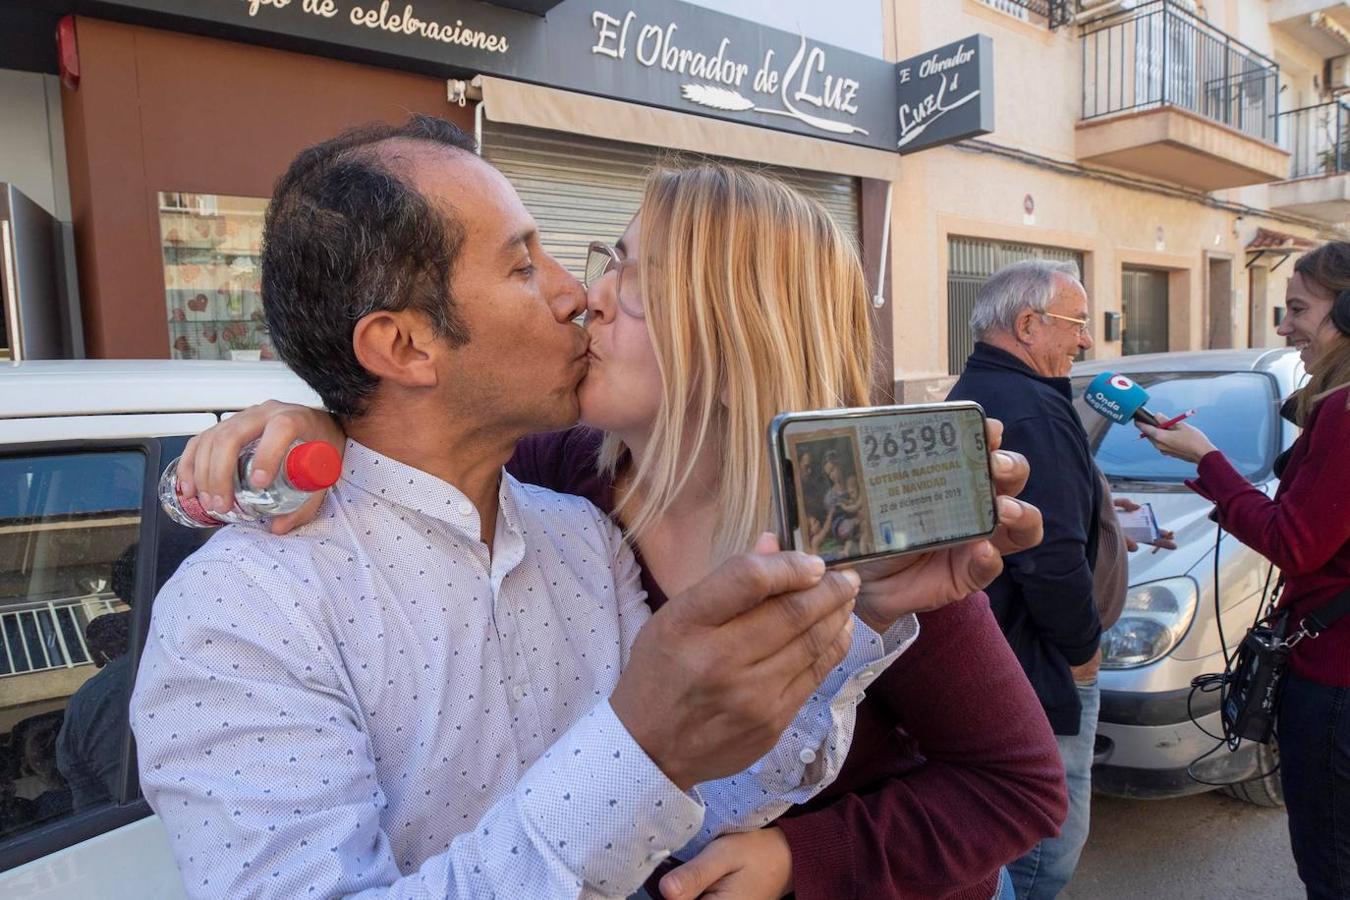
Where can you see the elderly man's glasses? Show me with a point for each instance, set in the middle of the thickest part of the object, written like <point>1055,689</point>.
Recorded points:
<point>601,259</point>
<point>1081,323</point>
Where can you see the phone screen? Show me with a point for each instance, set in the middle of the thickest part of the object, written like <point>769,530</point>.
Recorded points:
<point>855,484</point>
<point>1139,525</point>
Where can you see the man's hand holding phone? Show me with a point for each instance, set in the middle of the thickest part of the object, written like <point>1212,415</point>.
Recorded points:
<point>1162,539</point>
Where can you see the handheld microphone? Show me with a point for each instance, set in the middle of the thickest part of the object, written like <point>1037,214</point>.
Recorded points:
<point>1119,399</point>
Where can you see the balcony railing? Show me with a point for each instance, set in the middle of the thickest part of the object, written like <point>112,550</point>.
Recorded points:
<point>38,636</point>
<point>1051,12</point>
<point>1161,54</point>
<point>1318,139</point>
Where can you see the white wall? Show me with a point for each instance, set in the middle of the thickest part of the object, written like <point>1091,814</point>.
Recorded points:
<point>851,24</point>
<point>32,139</point>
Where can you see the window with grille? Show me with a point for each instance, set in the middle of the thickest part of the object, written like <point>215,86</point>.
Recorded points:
<point>69,537</point>
<point>970,262</point>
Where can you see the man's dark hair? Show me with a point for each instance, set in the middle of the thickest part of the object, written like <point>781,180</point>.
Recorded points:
<point>123,574</point>
<point>107,636</point>
<point>346,237</point>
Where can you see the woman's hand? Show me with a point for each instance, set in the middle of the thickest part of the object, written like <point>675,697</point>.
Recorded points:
<point>750,865</point>
<point>894,587</point>
<point>209,460</point>
<point>1181,441</point>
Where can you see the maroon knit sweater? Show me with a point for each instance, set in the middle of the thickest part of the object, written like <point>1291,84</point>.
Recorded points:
<point>1305,530</point>
<point>953,770</point>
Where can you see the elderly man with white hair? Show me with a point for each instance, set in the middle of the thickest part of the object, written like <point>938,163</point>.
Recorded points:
<point>1030,320</point>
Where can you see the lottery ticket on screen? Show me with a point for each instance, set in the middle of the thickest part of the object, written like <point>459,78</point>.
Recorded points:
<point>1139,525</point>
<point>863,483</point>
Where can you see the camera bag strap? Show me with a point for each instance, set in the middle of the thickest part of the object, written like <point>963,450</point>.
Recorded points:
<point>1250,706</point>
<point>1322,618</point>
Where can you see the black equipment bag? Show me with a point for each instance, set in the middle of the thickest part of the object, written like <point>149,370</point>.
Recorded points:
<point>1251,704</point>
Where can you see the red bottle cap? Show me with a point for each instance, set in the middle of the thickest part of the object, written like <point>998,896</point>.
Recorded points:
<point>313,466</point>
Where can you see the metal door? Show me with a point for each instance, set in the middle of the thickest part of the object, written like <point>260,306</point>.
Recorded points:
<point>1143,295</point>
<point>30,324</point>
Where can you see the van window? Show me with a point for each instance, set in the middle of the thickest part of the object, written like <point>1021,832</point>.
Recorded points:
<point>69,526</point>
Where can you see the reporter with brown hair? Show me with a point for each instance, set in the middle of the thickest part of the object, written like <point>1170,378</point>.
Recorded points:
<point>1305,530</point>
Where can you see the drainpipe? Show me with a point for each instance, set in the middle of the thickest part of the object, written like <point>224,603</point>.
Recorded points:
<point>459,91</point>
<point>879,298</point>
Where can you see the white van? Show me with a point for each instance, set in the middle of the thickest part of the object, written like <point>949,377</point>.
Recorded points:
<point>84,549</point>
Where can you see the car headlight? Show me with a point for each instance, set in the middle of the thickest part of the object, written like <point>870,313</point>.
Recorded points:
<point>1154,620</point>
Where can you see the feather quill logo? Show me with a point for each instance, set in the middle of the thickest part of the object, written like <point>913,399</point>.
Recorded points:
<point>716,97</point>
<point>729,100</point>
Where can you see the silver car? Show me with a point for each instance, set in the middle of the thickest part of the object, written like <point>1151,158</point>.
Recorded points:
<point>1157,737</point>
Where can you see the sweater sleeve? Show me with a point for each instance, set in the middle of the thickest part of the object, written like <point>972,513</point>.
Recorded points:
<point>1055,577</point>
<point>1310,521</point>
<point>992,769</point>
<point>538,459</point>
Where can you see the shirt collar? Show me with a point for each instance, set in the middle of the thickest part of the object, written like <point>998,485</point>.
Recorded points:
<point>401,485</point>
<point>987,356</point>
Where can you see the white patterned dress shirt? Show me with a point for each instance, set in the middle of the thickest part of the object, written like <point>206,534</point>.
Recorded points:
<point>376,706</point>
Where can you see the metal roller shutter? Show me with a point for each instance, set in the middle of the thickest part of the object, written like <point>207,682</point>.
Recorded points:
<point>580,189</point>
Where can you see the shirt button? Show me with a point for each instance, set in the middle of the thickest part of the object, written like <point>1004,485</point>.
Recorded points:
<point>518,692</point>
<point>658,856</point>
<point>807,756</point>
<point>465,508</point>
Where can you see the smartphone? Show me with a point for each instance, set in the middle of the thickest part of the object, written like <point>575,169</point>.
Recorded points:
<point>1141,525</point>
<point>859,484</point>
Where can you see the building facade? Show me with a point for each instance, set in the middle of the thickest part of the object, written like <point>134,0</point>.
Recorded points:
<point>1178,152</point>
<point>171,129</point>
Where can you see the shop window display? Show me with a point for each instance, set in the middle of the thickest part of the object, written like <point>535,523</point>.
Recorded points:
<point>212,245</point>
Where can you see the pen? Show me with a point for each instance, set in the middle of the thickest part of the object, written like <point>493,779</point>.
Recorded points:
<point>1174,420</point>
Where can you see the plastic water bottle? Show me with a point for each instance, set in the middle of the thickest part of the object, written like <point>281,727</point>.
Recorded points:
<point>309,466</point>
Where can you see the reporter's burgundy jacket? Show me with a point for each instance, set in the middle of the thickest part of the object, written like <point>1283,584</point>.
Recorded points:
<point>1305,530</point>
<point>953,770</point>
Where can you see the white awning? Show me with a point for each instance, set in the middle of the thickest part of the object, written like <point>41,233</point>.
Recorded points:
<point>516,103</point>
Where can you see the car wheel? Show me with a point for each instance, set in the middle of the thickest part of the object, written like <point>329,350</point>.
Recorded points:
<point>1264,788</point>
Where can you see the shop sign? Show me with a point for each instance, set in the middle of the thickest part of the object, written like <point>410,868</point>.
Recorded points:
<point>818,89</point>
<point>946,94</point>
<point>662,53</point>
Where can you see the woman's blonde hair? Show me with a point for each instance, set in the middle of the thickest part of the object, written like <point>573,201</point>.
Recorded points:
<point>1329,268</point>
<point>756,304</point>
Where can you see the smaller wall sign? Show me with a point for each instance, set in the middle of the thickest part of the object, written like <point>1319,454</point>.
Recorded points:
<point>946,94</point>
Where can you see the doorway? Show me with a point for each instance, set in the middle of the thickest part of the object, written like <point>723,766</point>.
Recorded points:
<point>1144,302</point>
<point>1257,306</point>
<point>1222,321</point>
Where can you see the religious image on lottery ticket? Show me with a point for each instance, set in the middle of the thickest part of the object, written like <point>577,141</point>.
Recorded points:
<point>863,483</point>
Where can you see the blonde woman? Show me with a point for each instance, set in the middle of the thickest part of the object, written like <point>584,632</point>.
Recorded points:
<point>1305,530</point>
<point>729,298</point>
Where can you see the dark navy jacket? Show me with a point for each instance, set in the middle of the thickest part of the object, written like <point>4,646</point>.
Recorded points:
<point>1043,599</point>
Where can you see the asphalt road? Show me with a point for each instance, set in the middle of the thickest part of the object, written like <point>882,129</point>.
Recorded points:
<point>1205,847</point>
